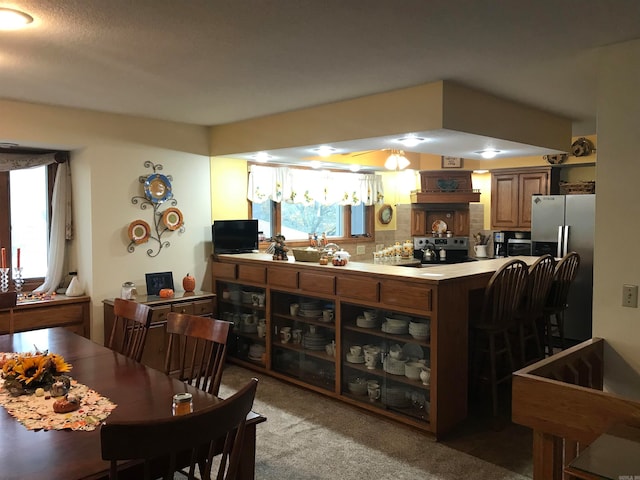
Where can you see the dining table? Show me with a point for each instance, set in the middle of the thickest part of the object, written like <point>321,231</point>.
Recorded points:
<point>139,392</point>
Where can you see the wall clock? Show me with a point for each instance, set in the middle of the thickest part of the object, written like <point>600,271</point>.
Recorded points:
<point>385,214</point>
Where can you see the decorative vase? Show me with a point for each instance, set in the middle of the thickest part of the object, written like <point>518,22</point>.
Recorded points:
<point>188,283</point>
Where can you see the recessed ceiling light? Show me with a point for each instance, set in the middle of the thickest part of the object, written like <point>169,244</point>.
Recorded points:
<point>315,164</point>
<point>411,140</point>
<point>489,153</point>
<point>13,19</point>
<point>325,150</point>
<point>354,168</point>
<point>261,157</point>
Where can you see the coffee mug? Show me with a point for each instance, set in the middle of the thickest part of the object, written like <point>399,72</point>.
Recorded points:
<point>293,309</point>
<point>327,315</point>
<point>356,350</point>
<point>374,392</point>
<point>481,250</point>
<point>262,330</point>
<point>297,335</point>
<point>370,359</point>
<point>285,334</point>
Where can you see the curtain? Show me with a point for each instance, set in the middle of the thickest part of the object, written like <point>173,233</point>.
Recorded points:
<point>294,185</point>
<point>16,161</point>
<point>60,227</point>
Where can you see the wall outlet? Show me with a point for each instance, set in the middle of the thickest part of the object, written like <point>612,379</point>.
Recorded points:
<point>360,250</point>
<point>630,296</point>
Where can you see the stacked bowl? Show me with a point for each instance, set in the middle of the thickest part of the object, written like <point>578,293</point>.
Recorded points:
<point>396,326</point>
<point>419,330</point>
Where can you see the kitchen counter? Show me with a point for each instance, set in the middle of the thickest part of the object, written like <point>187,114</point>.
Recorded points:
<point>443,295</point>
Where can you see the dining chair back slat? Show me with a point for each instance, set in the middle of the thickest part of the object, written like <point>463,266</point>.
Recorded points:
<point>130,327</point>
<point>197,350</point>
<point>8,301</point>
<point>181,443</point>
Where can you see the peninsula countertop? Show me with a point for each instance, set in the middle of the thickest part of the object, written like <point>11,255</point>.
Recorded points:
<point>435,273</point>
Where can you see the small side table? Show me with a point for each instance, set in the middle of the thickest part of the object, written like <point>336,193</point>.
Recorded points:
<point>613,455</point>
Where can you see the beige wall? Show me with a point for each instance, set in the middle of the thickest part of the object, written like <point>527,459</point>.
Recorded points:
<point>618,215</point>
<point>107,157</point>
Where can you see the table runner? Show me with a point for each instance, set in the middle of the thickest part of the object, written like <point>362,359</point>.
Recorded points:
<point>36,413</point>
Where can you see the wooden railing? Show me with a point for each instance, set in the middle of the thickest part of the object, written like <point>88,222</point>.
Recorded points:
<point>561,399</point>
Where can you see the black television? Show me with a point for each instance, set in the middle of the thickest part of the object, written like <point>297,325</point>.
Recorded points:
<point>234,236</point>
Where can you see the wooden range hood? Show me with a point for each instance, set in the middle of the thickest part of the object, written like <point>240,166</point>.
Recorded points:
<point>443,186</point>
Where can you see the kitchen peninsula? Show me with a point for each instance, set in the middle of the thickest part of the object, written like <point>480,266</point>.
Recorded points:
<point>368,305</point>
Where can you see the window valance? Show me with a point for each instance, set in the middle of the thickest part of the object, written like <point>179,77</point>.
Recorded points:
<point>16,161</point>
<point>295,185</point>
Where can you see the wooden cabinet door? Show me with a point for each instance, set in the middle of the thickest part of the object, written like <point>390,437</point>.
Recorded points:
<point>418,222</point>
<point>461,223</point>
<point>504,201</point>
<point>531,183</point>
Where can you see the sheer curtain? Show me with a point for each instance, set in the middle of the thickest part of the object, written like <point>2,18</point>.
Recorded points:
<point>294,185</point>
<point>61,222</point>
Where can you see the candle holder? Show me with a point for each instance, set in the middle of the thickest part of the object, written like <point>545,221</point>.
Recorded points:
<point>4,280</point>
<point>18,281</point>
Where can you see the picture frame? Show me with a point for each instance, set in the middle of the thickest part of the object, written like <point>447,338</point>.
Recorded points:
<point>158,281</point>
<point>451,162</point>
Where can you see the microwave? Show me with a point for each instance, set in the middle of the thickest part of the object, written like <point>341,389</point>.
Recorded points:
<point>518,246</point>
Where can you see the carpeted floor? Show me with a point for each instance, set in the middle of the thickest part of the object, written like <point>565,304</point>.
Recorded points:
<point>308,436</point>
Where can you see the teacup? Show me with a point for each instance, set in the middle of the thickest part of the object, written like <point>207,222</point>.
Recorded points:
<point>293,309</point>
<point>285,334</point>
<point>327,315</point>
<point>262,330</point>
<point>313,329</point>
<point>356,350</point>
<point>330,348</point>
<point>371,358</point>
<point>369,314</point>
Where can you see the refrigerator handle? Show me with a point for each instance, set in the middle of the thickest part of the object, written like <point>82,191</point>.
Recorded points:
<point>559,253</point>
<point>565,246</point>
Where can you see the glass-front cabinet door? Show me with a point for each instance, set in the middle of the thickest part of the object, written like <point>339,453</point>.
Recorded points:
<point>386,359</point>
<point>244,307</point>
<point>303,338</point>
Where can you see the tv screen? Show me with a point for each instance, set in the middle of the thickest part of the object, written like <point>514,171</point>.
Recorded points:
<point>235,236</point>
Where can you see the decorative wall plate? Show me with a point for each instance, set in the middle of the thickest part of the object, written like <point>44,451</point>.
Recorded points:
<point>385,214</point>
<point>157,188</point>
<point>139,231</point>
<point>172,218</point>
<point>439,226</point>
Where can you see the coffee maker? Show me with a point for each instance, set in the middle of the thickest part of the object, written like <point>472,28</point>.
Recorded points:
<point>500,244</point>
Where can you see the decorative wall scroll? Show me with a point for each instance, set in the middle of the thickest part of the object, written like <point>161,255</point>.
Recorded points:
<point>158,191</point>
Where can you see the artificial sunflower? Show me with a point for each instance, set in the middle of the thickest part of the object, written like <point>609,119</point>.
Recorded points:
<point>58,363</point>
<point>31,369</point>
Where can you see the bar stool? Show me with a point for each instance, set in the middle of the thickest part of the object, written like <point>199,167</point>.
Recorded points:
<point>496,322</point>
<point>564,275</point>
<point>531,315</point>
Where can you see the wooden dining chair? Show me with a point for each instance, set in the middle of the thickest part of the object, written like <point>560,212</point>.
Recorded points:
<point>531,315</point>
<point>130,327</point>
<point>174,444</point>
<point>197,350</point>
<point>564,275</point>
<point>493,327</point>
<point>8,301</point>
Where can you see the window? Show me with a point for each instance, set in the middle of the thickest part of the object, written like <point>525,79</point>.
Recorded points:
<point>25,201</point>
<point>297,221</point>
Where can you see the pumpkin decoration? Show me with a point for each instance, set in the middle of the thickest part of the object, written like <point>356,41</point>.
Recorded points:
<point>166,293</point>
<point>189,283</point>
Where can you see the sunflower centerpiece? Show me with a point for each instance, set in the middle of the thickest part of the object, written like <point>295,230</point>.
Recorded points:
<point>24,373</point>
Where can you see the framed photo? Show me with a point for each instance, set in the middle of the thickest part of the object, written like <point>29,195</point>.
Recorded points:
<point>451,162</point>
<point>158,281</point>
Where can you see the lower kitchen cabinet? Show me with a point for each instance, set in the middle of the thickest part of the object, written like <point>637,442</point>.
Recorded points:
<point>366,340</point>
<point>155,349</point>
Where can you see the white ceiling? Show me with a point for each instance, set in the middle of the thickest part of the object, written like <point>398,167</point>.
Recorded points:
<point>211,62</point>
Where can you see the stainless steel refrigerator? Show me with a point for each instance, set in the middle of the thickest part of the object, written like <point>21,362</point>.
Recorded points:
<point>562,224</point>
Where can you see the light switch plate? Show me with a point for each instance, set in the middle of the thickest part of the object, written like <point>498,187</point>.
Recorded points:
<point>630,296</point>
<point>360,250</point>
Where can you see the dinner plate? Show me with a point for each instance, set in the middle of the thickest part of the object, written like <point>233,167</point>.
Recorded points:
<point>157,188</point>
<point>439,226</point>
<point>139,231</point>
<point>172,218</point>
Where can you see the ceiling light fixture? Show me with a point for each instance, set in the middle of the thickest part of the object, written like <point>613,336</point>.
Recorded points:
<point>13,19</point>
<point>489,153</point>
<point>315,164</point>
<point>396,161</point>
<point>411,140</point>
<point>261,157</point>
<point>354,168</point>
<point>325,150</point>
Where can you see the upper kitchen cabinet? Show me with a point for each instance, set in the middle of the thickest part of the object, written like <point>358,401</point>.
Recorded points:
<point>511,191</point>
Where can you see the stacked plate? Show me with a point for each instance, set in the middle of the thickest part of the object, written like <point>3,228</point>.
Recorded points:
<point>396,397</point>
<point>419,330</point>
<point>310,309</point>
<point>393,366</point>
<point>364,322</point>
<point>314,341</point>
<point>247,297</point>
<point>395,326</point>
<point>255,351</point>
<point>355,358</point>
